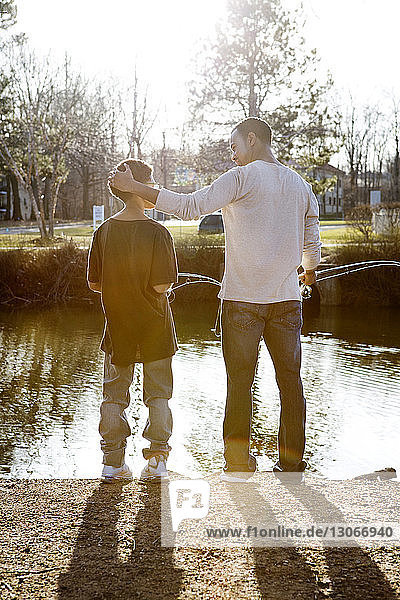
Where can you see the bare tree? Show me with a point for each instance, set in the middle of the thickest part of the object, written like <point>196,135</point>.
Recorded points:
<point>93,148</point>
<point>37,133</point>
<point>395,162</point>
<point>366,134</point>
<point>138,117</point>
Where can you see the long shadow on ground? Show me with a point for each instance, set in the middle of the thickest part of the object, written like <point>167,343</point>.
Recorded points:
<point>350,573</point>
<point>97,570</point>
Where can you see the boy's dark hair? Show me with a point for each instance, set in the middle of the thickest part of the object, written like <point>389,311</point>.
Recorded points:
<point>258,126</point>
<point>141,171</point>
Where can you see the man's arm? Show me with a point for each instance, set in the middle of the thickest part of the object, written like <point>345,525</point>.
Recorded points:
<point>227,188</point>
<point>312,241</point>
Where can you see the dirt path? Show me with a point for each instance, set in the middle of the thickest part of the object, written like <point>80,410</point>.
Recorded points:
<point>70,539</point>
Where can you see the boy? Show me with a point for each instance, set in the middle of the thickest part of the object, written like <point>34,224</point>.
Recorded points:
<point>132,264</point>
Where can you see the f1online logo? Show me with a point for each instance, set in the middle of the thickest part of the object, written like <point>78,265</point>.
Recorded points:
<point>189,499</point>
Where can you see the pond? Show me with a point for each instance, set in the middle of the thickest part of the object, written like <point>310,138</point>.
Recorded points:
<point>50,393</point>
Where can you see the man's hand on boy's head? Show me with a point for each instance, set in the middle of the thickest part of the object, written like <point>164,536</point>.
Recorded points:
<point>122,180</point>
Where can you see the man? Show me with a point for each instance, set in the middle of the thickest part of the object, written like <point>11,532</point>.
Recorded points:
<point>132,263</point>
<point>271,227</point>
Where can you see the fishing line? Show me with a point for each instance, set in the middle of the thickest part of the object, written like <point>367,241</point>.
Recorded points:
<point>305,290</point>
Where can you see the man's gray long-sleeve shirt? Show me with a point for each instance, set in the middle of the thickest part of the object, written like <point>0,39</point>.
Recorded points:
<point>271,225</point>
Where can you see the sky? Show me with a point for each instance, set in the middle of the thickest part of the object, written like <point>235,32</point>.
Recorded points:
<point>356,40</point>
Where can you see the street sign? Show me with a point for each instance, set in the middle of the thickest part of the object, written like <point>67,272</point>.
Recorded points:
<point>98,215</point>
<point>375,197</point>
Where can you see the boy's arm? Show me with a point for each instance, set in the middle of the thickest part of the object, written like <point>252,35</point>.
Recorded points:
<point>164,268</point>
<point>94,266</point>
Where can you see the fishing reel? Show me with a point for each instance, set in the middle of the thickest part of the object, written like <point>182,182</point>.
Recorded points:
<point>305,291</point>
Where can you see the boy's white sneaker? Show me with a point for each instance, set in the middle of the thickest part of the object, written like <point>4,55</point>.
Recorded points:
<point>113,474</point>
<point>236,476</point>
<point>156,469</point>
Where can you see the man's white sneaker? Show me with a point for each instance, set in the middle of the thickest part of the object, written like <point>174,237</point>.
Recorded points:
<point>156,470</point>
<point>114,474</point>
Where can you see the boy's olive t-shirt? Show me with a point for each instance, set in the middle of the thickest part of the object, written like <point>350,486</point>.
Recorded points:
<point>129,258</point>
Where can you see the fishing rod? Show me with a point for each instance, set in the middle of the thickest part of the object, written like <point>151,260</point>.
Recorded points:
<point>354,267</point>
<point>197,279</point>
<point>305,290</point>
<point>341,270</point>
<point>330,273</point>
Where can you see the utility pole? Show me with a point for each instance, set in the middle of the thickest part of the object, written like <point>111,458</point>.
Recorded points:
<point>134,136</point>
<point>164,165</point>
<point>164,162</point>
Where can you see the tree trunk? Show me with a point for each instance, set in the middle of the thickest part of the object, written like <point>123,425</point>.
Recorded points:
<point>85,193</point>
<point>51,212</point>
<point>8,192</point>
<point>64,206</point>
<point>47,197</point>
<point>38,206</point>
<point>39,219</point>
<point>54,189</point>
<point>253,108</point>
<point>396,173</point>
<point>17,215</point>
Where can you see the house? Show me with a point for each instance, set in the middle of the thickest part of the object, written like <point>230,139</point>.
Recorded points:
<point>331,202</point>
<point>3,198</point>
<point>8,207</point>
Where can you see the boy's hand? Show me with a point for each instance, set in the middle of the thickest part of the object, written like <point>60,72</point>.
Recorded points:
<point>122,180</point>
<point>162,287</point>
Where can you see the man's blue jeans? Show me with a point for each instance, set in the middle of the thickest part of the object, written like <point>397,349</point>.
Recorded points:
<point>114,427</point>
<point>243,326</point>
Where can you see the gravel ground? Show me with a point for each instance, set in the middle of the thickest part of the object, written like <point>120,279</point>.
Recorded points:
<point>70,539</point>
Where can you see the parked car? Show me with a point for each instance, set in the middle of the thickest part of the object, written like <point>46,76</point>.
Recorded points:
<point>211,224</point>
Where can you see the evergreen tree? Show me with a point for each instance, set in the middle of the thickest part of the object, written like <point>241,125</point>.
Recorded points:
<point>259,65</point>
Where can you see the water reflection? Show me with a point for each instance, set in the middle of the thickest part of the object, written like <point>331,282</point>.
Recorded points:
<point>51,392</point>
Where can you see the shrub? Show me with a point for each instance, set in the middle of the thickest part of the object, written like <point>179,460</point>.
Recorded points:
<point>360,220</point>
<point>47,276</point>
<point>58,275</point>
<point>379,285</point>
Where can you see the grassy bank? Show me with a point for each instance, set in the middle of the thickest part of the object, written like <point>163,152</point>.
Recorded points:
<point>54,275</point>
<point>182,234</point>
<point>380,286</point>
<point>57,275</point>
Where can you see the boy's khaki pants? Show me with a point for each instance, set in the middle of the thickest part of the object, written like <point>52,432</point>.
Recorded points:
<point>114,427</point>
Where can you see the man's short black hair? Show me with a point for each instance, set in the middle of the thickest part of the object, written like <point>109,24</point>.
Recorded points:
<point>258,126</point>
<point>141,171</point>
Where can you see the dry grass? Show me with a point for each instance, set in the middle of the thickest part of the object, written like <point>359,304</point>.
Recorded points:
<point>46,276</point>
<point>380,286</point>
